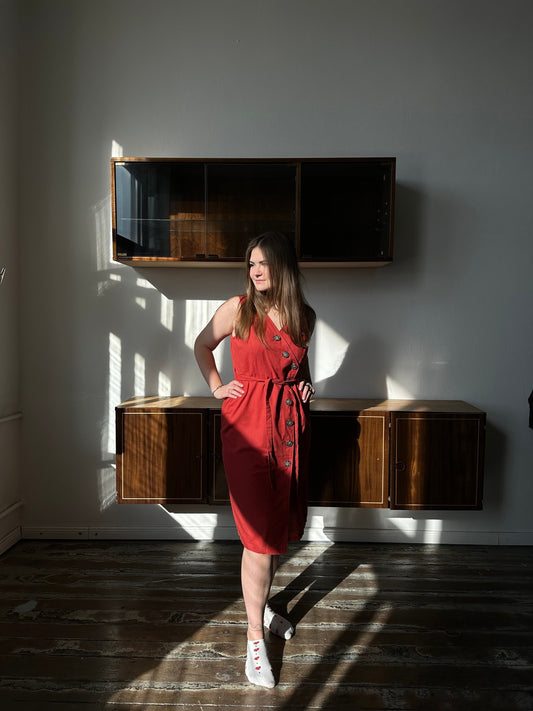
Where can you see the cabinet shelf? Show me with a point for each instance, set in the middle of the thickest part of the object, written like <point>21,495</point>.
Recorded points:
<point>337,211</point>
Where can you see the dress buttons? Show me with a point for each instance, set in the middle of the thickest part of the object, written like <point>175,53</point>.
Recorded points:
<point>290,443</point>
<point>287,462</point>
<point>285,354</point>
<point>277,337</point>
<point>294,366</point>
<point>290,423</point>
<point>289,402</point>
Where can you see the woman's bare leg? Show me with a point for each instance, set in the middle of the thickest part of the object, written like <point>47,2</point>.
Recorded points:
<point>277,624</point>
<point>256,577</point>
<point>257,572</point>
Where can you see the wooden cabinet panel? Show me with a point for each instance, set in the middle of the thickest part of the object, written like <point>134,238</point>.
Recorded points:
<point>243,201</point>
<point>348,463</point>
<point>352,204</point>
<point>159,210</point>
<point>349,460</point>
<point>169,451</point>
<point>161,457</point>
<point>437,461</point>
<point>187,212</point>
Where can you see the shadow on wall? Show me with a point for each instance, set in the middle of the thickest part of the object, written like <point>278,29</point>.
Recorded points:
<point>496,451</point>
<point>408,212</point>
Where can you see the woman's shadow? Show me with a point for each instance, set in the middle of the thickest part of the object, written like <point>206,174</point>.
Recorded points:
<point>365,365</point>
<point>345,627</point>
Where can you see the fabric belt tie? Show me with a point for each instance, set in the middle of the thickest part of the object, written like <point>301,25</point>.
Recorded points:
<point>271,383</point>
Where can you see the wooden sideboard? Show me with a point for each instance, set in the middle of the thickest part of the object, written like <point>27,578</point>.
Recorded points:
<point>398,454</point>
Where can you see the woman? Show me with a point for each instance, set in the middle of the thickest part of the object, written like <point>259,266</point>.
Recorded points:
<point>265,425</point>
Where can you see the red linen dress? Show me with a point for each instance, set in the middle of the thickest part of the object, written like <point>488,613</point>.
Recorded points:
<point>265,441</point>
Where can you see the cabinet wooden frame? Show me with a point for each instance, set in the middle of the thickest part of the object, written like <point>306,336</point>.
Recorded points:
<point>211,214</point>
<point>348,464</point>
<point>161,455</point>
<point>437,460</point>
<point>398,454</point>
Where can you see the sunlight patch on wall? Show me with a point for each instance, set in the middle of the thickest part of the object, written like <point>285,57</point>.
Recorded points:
<point>328,350</point>
<point>432,531</point>
<point>167,313</point>
<point>395,391</point>
<point>107,487</point>
<point>103,246</point>
<point>314,529</point>
<point>117,151</point>
<point>115,387</point>
<point>140,301</point>
<point>426,531</point>
<point>164,386</point>
<point>199,526</point>
<point>139,375</point>
<point>102,220</point>
<point>145,284</point>
<point>197,315</point>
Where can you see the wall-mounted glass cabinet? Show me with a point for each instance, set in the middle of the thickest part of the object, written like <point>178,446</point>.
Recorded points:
<point>178,212</point>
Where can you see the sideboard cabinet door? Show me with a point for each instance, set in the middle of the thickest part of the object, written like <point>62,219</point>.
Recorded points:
<point>349,459</point>
<point>161,456</point>
<point>437,460</point>
<point>348,462</point>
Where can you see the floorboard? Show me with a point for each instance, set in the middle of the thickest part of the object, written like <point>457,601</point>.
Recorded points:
<point>161,625</point>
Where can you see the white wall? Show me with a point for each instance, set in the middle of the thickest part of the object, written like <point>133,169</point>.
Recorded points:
<point>10,488</point>
<point>444,86</point>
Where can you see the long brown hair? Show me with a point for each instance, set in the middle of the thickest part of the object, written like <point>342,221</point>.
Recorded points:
<point>285,292</point>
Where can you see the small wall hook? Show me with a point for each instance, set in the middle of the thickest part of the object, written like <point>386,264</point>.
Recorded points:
<point>2,274</point>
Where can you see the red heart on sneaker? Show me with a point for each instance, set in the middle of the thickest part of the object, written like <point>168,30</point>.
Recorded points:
<point>258,668</point>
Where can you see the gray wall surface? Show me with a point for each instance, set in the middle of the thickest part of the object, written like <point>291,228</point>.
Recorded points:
<point>444,85</point>
<point>10,424</point>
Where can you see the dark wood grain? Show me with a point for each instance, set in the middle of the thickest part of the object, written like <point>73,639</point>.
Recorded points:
<point>437,460</point>
<point>161,456</point>
<point>349,460</point>
<point>133,625</point>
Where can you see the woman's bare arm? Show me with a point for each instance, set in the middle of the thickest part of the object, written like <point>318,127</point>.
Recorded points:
<point>218,328</point>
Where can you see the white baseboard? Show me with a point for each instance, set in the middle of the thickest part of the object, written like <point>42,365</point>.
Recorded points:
<point>7,540</point>
<point>193,533</point>
<point>516,538</point>
<point>313,533</point>
<point>389,535</point>
<point>55,532</point>
<point>198,533</point>
<point>10,531</point>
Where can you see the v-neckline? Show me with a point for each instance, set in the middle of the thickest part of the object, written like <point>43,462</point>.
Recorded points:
<point>279,330</point>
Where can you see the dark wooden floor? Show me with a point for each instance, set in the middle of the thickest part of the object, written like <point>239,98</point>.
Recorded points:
<point>160,625</point>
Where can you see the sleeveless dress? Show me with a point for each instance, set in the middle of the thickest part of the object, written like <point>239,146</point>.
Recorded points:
<point>265,441</point>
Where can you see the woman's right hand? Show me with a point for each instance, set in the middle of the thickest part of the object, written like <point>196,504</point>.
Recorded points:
<point>234,389</point>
